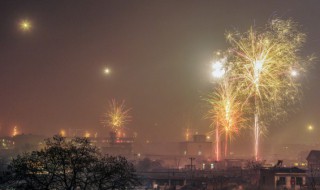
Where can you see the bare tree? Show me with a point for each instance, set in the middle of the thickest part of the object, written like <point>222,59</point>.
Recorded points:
<point>70,165</point>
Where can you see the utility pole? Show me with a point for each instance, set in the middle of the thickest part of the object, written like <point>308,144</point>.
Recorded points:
<point>191,159</point>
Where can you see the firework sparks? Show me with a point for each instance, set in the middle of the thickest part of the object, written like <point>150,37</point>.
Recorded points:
<point>15,131</point>
<point>261,60</point>
<point>225,113</point>
<point>117,116</point>
<point>218,68</point>
<point>217,142</point>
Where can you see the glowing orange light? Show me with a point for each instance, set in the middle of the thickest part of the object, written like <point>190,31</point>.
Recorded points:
<point>187,134</point>
<point>87,134</point>
<point>62,132</point>
<point>15,131</point>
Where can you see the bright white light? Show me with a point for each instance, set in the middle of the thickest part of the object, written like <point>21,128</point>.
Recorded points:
<point>218,73</point>
<point>107,71</point>
<point>258,66</point>
<point>25,25</point>
<point>217,65</point>
<point>218,70</point>
<point>294,73</point>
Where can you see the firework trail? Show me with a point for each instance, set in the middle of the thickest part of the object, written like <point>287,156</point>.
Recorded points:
<point>225,113</point>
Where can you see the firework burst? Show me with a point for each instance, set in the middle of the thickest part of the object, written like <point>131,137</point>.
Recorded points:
<point>262,65</point>
<point>265,62</point>
<point>117,116</point>
<point>226,113</point>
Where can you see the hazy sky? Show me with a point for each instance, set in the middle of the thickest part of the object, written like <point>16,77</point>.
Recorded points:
<point>158,51</point>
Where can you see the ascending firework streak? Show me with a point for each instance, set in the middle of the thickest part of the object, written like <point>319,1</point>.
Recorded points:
<point>117,116</point>
<point>226,113</point>
<point>264,61</point>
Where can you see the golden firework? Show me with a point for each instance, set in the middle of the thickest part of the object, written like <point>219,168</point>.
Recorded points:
<point>226,109</point>
<point>264,63</point>
<point>117,116</point>
<point>225,112</point>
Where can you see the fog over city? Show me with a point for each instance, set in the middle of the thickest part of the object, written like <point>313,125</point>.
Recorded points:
<point>62,62</point>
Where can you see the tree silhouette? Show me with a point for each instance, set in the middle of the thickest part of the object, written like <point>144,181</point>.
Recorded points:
<point>70,164</point>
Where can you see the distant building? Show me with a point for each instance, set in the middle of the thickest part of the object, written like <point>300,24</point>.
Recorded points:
<point>282,178</point>
<point>293,155</point>
<point>117,146</point>
<point>6,143</point>
<point>199,147</point>
<point>22,143</point>
<point>313,160</point>
<point>28,142</point>
<point>235,163</point>
<point>178,154</point>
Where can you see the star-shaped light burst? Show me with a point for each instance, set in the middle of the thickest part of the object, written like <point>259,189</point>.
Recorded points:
<point>117,116</point>
<point>218,69</point>
<point>25,25</point>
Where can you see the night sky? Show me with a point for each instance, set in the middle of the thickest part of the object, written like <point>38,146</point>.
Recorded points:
<point>159,54</point>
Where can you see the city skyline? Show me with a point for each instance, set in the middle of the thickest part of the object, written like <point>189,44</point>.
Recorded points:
<point>158,54</point>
